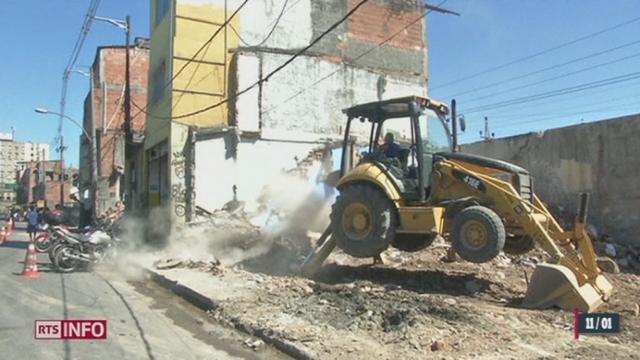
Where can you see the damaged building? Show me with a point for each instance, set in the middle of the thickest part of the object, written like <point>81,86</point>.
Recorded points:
<point>202,141</point>
<point>104,117</point>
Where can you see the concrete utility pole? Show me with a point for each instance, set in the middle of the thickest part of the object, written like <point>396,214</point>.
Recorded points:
<point>126,27</point>
<point>62,148</point>
<point>44,176</point>
<point>127,116</point>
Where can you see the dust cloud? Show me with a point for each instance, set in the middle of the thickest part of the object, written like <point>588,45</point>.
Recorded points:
<point>292,210</point>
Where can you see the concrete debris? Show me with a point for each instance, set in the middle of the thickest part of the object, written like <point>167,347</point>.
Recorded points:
<point>213,267</point>
<point>450,301</point>
<point>167,264</point>
<point>608,265</point>
<point>530,261</point>
<point>253,344</point>
<point>438,345</point>
<point>502,261</point>
<point>636,311</point>
<point>610,250</point>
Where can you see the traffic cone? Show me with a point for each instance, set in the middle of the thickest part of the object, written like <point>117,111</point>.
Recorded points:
<point>31,263</point>
<point>3,235</point>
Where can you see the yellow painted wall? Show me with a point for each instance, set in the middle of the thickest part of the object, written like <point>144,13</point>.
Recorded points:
<point>195,24</point>
<point>158,127</point>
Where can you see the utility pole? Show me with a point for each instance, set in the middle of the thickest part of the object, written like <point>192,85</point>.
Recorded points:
<point>127,115</point>
<point>44,176</point>
<point>62,148</point>
<point>486,135</point>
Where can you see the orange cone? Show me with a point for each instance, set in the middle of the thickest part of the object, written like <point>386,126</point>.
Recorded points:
<point>31,263</point>
<point>3,235</point>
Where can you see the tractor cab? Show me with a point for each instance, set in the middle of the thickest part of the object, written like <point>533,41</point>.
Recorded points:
<point>404,134</point>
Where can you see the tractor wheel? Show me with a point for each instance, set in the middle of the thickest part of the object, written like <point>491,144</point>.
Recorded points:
<point>518,245</point>
<point>413,242</point>
<point>478,234</point>
<point>363,221</point>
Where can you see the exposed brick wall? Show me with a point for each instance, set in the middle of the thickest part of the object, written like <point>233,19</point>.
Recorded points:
<point>107,103</point>
<point>377,20</point>
<point>52,194</point>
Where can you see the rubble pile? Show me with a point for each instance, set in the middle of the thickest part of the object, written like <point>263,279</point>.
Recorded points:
<point>213,267</point>
<point>627,257</point>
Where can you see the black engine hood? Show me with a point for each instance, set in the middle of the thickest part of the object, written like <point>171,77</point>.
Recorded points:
<point>484,161</point>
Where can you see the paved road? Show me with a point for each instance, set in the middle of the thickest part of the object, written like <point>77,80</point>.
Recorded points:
<point>144,320</point>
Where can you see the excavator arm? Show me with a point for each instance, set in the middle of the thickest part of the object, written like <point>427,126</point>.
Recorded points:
<point>571,278</point>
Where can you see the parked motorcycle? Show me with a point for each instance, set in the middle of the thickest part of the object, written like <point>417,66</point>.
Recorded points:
<point>77,250</point>
<point>58,235</point>
<point>44,239</point>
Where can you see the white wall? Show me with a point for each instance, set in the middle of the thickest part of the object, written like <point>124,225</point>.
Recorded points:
<point>318,109</point>
<point>258,164</point>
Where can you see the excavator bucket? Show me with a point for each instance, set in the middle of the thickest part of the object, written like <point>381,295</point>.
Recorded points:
<point>556,285</point>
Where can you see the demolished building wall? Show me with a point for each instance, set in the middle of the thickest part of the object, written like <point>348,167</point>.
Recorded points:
<point>299,109</point>
<point>598,157</point>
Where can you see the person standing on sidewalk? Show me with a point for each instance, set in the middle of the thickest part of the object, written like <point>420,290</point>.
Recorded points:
<point>32,222</point>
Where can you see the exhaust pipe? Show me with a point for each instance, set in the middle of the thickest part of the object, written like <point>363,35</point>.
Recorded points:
<point>81,257</point>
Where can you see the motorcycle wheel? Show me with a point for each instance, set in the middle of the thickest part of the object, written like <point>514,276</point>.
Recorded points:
<point>43,243</point>
<point>53,250</point>
<point>63,262</point>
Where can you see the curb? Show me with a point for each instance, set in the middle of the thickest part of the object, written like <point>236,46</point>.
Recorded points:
<point>269,336</point>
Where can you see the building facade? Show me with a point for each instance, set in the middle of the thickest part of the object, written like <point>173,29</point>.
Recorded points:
<point>104,114</point>
<point>202,140</point>
<point>41,181</point>
<point>13,154</point>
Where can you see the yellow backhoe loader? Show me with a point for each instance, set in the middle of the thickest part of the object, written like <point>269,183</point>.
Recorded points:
<point>414,186</point>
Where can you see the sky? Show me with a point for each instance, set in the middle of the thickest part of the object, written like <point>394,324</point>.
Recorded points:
<point>38,37</point>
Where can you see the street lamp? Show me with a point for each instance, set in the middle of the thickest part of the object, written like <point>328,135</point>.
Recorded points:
<point>47,111</point>
<point>94,158</point>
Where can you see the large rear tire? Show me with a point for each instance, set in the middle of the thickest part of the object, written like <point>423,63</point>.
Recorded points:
<point>478,234</point>
<point>363,220</point>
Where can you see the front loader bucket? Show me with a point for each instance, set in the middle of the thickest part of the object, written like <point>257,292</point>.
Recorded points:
<point>556,285</point>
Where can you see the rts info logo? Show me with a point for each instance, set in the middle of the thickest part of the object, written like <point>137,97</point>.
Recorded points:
<point>71,329</point>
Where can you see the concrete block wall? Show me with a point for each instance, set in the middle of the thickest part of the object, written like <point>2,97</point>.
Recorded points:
<point>599,157</point>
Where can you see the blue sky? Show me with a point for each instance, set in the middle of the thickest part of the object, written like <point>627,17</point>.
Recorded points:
<point>37,38</point>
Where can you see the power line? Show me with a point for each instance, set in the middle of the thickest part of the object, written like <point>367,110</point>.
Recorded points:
<point>273,28</point>
<point>608,101</point>
<point>554,77</point>
<point>484,87</point>
<point>546,51</point>
<point>394,35</point>
<point>75,52</point>
<point>581,110</point>
<point>577,111</point>
<point>563,101</point>
<point>557,92</point>
<point>273,72</point>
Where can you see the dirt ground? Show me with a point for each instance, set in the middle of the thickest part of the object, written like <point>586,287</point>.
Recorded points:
<point>414,306</point>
